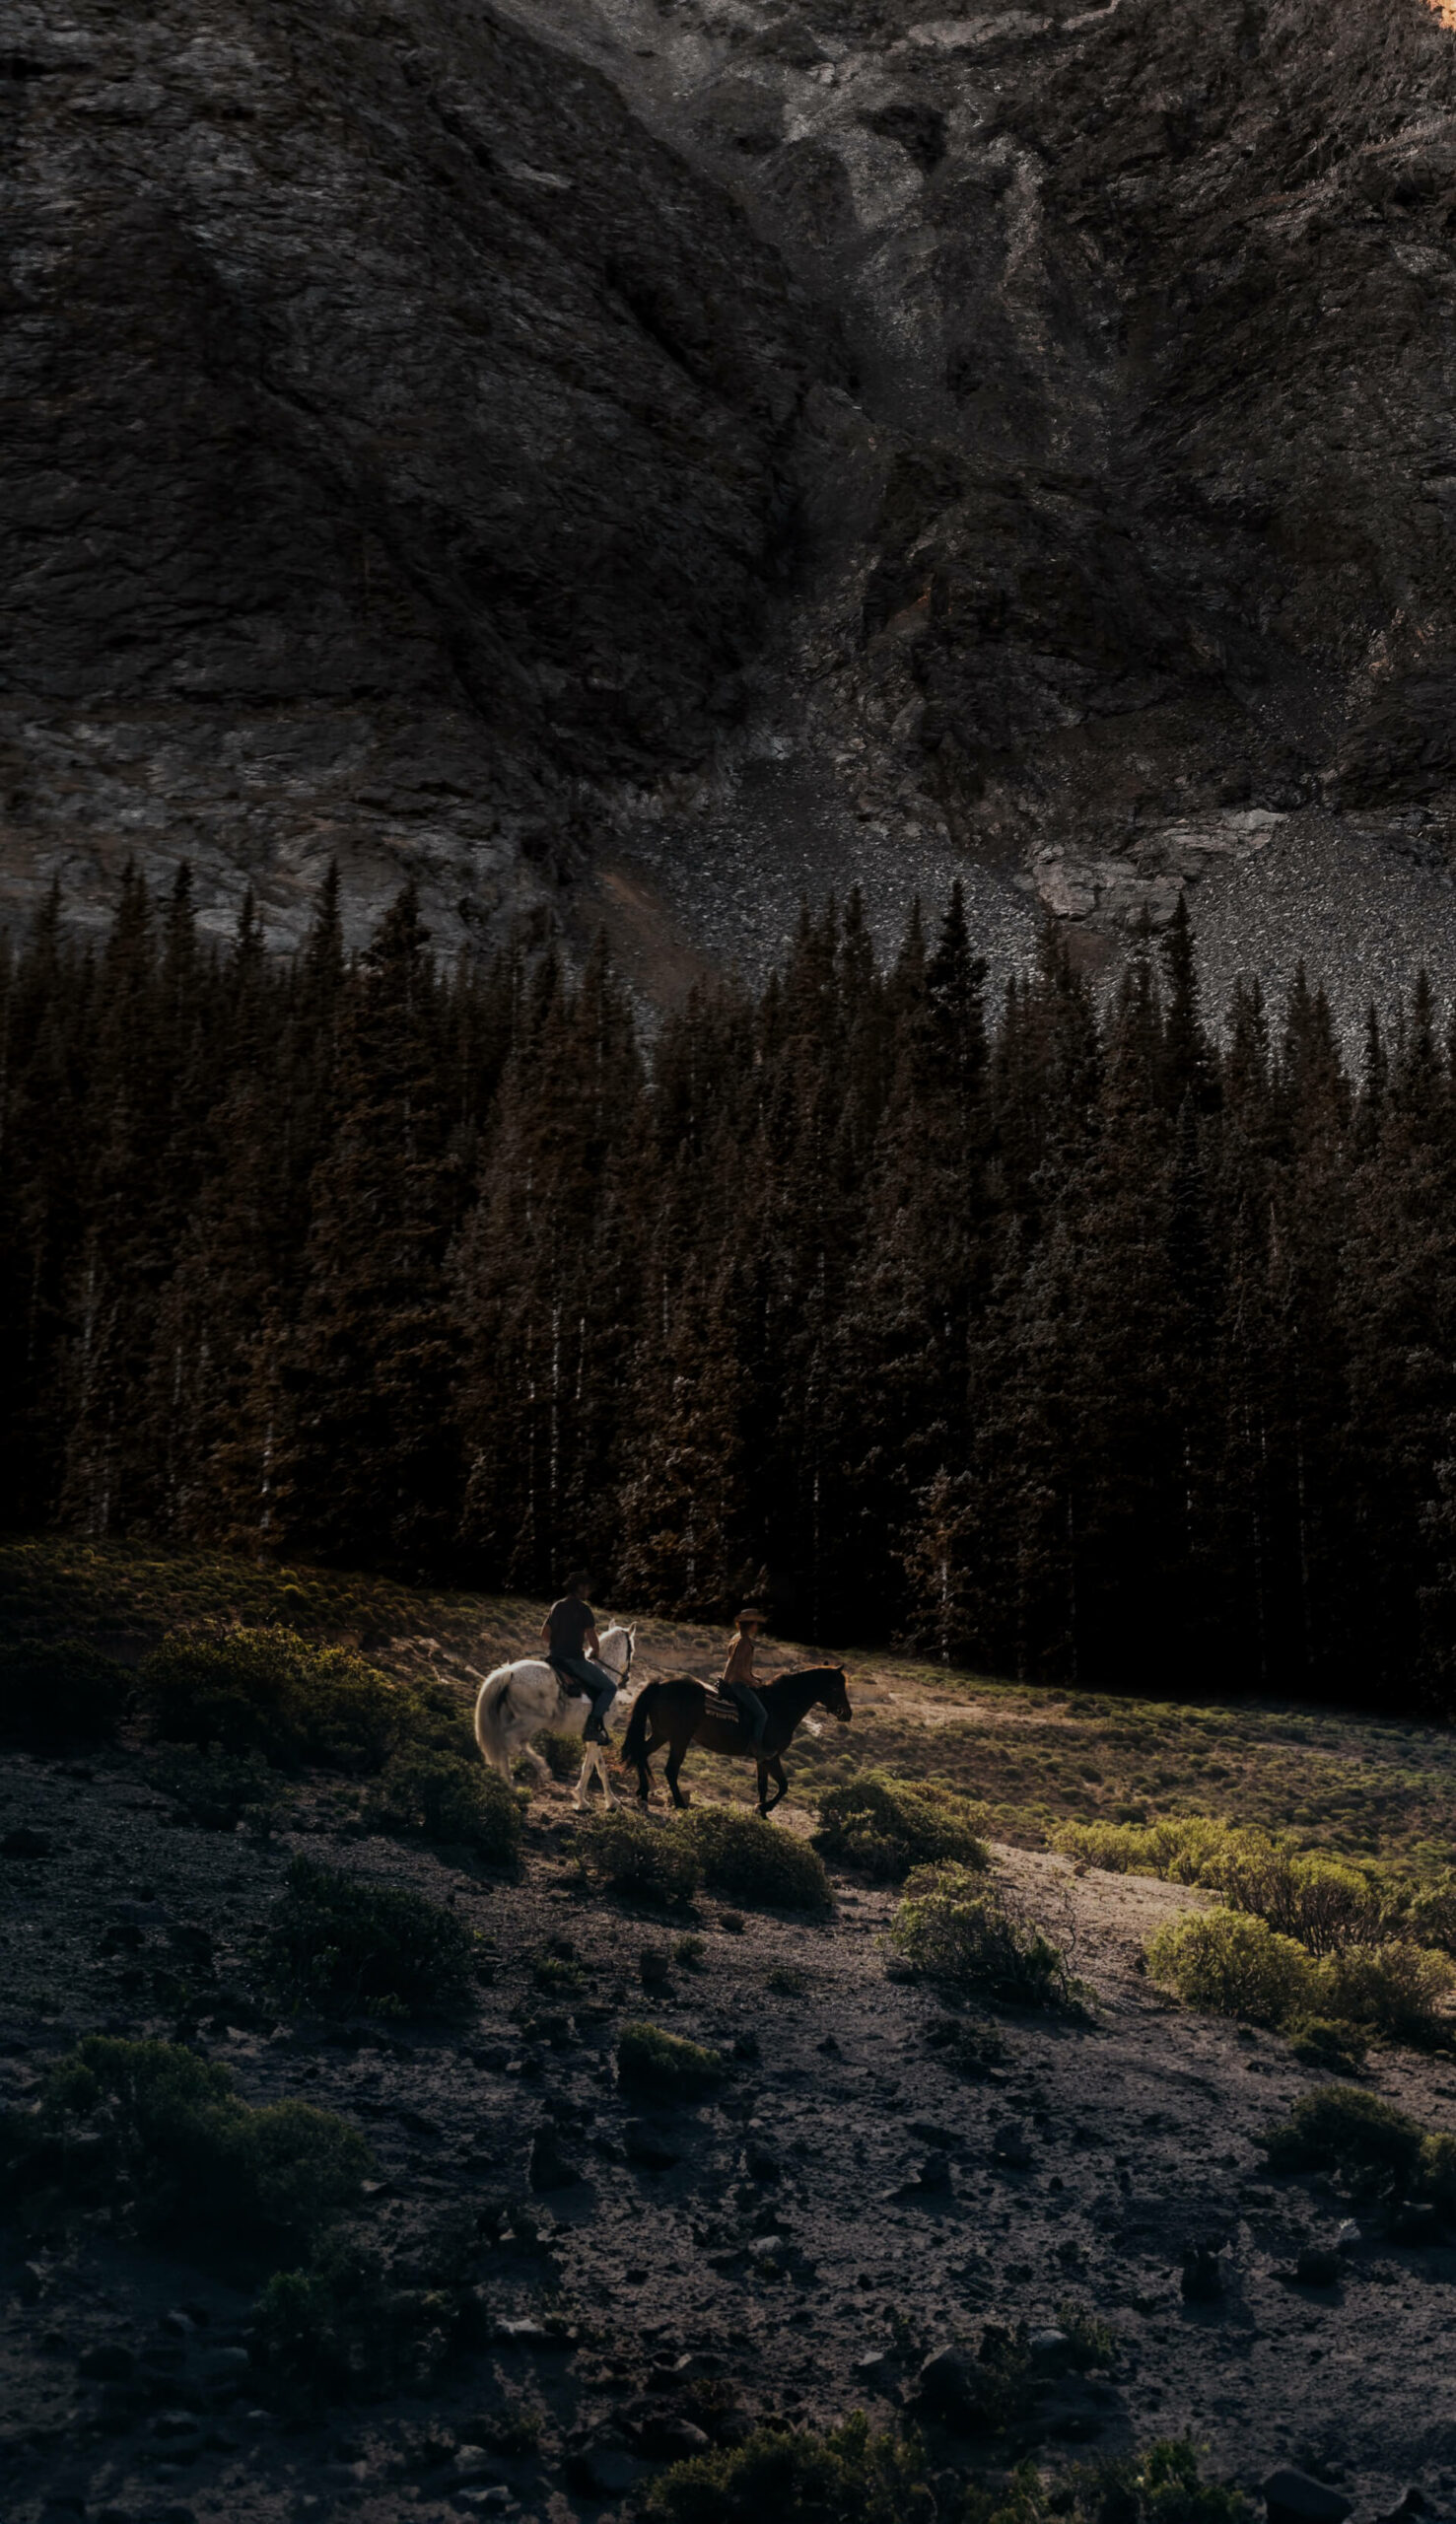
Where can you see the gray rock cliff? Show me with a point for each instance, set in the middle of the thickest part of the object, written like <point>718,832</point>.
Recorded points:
<point>657,455</point>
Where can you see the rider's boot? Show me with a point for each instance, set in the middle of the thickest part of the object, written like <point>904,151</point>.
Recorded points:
<point>593,1732</point>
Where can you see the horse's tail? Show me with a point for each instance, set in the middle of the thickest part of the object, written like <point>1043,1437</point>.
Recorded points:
<point>493,1715</point>
<point>634,1742</point>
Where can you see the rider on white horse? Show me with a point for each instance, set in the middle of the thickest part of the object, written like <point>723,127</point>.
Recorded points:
<point>573,1650</point>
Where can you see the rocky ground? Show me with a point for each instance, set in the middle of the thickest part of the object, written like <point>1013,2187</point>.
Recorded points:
<point>846,2207</point>
<point>644,459</point>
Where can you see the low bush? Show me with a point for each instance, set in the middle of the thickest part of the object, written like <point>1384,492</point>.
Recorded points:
<point>1357,2137</point>
<point>163,2137</point>
<point>1229,1964</point>
<point>651,2062</point>
<point>655,1862</point>
<point>1325,1904</point>
<point>345,1945</point>
<point>751,1861</point>
<point>270,1692</point>
<point>217,1791</point>
<point>882,1826</point>
<point>561,1753</point>
<point>57,1695</point>
<point>850,2476</point>
<point>1162,2486</point>
<point>958,1930</point>
<point>1396,1989</point>
<point>354,2325</point>
<point>1322,2041</point>
<point>448,1799</point>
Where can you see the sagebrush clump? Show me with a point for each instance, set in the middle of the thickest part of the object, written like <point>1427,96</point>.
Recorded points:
<point>854,2474</point>
<point>164,2138</point>
<point>1230,1963</point>
<point>448,1799</point>
<point>341,1944</point>
<point>655,1862</point>
<point>655,2063</point>
<point>751,1861</point>
<point>354,2325</point>
<point>968,1934</point>
<point>271,1693</point>
<point>882,1826</point>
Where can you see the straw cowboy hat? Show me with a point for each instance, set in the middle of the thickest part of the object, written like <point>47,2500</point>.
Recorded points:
<point>751,1612</point>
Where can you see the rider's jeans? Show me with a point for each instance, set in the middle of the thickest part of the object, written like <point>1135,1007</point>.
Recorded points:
<point>750,1707</point>
<point>592,1678</point>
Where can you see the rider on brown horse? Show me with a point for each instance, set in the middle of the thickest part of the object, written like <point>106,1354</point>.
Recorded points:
<point>738,1677</point>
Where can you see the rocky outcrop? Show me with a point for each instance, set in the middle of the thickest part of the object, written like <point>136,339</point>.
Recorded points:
<point>428,438</point>
<point>394,438</point>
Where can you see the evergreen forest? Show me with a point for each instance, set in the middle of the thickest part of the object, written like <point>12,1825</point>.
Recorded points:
<point>1100,1342</point>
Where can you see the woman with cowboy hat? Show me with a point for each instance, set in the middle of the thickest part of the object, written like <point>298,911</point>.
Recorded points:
<point>738,1677</point>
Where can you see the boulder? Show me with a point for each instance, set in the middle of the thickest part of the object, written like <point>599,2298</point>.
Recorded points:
<point>1292,2497</point>
<point>26,1841</point>
<point>1318,2266</point>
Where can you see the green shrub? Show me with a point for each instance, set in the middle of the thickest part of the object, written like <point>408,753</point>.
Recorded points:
<point>1395,1988</point>
<point>651,2062</point>
<point>1179,1849</point>
<point>1435,2174</point>
<point>655,1862</point>
<point>751,1861</point>
<point>344,1944</point>
<point>57,1695</point>
<point>450,1800</point>
<point>1323,1903</point>
<point>1231,1964</point>
<point>1322,2041</point>
<point>882,1826</point>
<point>848,2476</point>
<point>562,1754</point>
<point>1360,2139</point>
<point>1159,2487</point>
<point>353,2324</point>
<point>272,1693</point>
<point>151,2128</point>
<point>958,1930</point>
<point>219,1790</point>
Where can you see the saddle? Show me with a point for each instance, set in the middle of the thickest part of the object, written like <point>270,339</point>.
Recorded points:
<point>726,1712</point>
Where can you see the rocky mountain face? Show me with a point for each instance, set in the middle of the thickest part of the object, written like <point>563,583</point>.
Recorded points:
<point>658,456</point>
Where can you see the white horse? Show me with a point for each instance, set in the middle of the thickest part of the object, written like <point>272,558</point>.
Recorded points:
<point>516,1700</point>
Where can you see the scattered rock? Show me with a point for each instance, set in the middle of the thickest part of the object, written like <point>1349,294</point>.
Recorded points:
<point>945,2387</point>
<point>1203,2275</point>
<point>26,1841</point>
<point>645,2145</point>
<point>1318,2266</point>
<point>550,2169</point>
<point>760,2163</point>
<point>1292,2497</point>
<point>602,2471</point>
<point>654,1969</point>
<point>109,2363</point>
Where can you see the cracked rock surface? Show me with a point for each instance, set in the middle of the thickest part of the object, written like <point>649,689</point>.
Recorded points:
<point>660,457</point>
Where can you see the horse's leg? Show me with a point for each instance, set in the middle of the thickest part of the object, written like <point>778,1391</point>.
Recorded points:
<point>582,1799</point>
<point>773,1767</point>
<point>674,1764</point>
<point>541,1768</point>
<point>644,1767</point>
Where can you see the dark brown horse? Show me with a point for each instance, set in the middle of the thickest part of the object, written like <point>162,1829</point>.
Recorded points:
<point>681,1712</point>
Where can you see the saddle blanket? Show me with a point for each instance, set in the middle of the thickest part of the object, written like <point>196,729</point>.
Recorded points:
<point>726,1711</point>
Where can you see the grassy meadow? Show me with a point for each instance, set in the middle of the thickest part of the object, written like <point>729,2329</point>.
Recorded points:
<point>1034,1757</point>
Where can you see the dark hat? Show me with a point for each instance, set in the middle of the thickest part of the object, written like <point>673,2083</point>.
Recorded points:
<point>751,1612</point>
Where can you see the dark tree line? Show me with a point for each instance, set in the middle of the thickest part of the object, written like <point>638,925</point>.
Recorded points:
<point>1082,1344</point>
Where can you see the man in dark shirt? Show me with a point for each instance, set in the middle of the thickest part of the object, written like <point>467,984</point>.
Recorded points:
<point>569,1633</point>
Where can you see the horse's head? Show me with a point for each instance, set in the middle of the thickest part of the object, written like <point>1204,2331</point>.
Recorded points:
<point>618,1647</point>
<point>834,1694</point>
